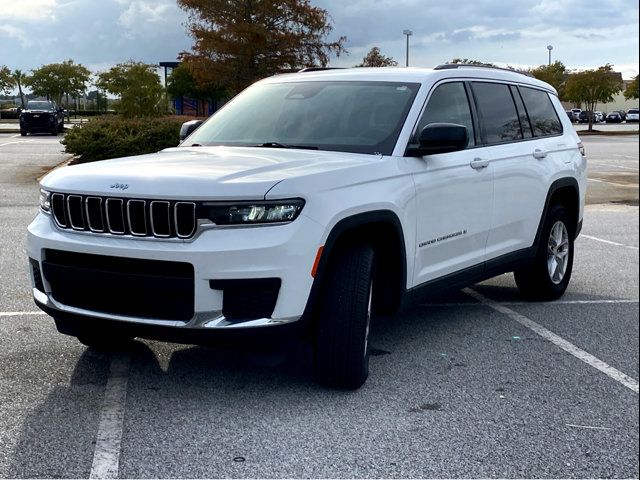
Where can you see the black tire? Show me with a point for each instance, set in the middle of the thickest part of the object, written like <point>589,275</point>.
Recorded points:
<point>536,282</point>
<point>54,132</point>
<point>61,128</point>
<point>342,350</point>
<point>23,133</point>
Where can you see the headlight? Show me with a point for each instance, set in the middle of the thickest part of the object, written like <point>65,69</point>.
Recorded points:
<point>45,201</point>
<point>253,213</point>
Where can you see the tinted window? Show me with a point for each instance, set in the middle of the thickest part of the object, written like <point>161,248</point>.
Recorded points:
<point>348,116</point>
<point>448,104</point>
<point>498,112</point>
<point>522,114</point>
<point>39,105</point>
<point>544,118</point>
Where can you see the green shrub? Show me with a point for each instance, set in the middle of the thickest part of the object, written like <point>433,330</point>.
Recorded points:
<point>113,136</point>
<point>90,113</point>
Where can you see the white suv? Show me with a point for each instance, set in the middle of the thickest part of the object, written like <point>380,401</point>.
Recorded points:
<point>311,202</point>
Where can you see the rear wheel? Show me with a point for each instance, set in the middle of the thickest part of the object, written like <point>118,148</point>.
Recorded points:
<point>548,277</point>
<point>342,340</point>
<point>23,133</point>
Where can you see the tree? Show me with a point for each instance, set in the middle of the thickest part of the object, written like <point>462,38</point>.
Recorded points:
<point>182,83</point>
<point>19,77</point>
<point>632,89</point>
<point>138,86</point>
<point>239,42</point>
<point>467,61</point>
<point>591,87</point>
<point>375,59</point>
<point>57,79</point>
<point>6,80</point>
<point>555,75</point>
<point>98,99</point>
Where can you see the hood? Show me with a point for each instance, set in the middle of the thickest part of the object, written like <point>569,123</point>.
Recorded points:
<point>198,173</point>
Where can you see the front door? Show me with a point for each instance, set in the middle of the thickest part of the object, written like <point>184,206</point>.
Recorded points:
<point>454,193</point>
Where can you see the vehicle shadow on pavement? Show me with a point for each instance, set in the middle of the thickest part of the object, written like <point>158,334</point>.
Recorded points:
<point>57,437</point>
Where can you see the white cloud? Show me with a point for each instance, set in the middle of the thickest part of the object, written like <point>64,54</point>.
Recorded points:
<point>32,11</point>
<point>143,16</point>
<point>17,33</point>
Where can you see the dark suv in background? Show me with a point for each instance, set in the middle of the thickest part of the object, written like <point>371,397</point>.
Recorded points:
<point>41,116</point>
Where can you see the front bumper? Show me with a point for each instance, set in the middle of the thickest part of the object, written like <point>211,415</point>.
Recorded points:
<point>38,124</point>
<point>284,252</point>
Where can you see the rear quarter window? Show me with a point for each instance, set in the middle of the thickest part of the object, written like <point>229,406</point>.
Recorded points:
<point>543,116</point>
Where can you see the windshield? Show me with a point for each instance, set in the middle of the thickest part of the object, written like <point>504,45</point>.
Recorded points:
<point>39,106</point>
<point>360,117</point>
<point>634,111</point>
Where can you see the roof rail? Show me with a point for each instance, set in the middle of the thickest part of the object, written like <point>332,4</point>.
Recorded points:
<point>319,69</point>
<point>451,66</point>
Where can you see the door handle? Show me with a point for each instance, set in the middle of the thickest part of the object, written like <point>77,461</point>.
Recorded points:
<point>539,154</point>
<point>478,163</point>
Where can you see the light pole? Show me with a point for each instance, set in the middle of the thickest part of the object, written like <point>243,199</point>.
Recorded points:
<point>549,47</point>
<point>408,33</point>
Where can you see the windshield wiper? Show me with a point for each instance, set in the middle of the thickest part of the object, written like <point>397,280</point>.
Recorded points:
<point>282,145</point>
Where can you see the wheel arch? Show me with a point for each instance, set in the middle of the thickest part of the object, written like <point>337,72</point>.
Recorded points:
<point>382,230</point>
<point>564,191</point>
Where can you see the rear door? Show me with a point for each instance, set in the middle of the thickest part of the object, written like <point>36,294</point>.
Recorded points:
<point>522,166</point>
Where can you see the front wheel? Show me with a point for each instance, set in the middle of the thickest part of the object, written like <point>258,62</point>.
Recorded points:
<point>342,338</point>
<point>548,277</point>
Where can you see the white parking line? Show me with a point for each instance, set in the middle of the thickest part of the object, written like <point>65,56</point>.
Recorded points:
<point>612,183</point>
<point>580,354</point>
<point>608,241</point>
<point>555,302</point>
<point>19,141</point>
<point>20,314</point>
<point>588,427</point>
<point>106,456</point>
<point>614,166</point>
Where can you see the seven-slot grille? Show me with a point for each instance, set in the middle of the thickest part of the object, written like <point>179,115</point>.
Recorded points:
<point>124,216</point>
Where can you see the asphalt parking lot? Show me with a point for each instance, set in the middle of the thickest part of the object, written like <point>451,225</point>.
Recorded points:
<point>475,384</point>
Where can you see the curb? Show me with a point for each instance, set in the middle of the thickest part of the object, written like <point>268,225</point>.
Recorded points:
<point>604,132</point>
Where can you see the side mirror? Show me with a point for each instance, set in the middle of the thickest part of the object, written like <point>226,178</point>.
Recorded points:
<point>440,138</point>
<point>188,128</point>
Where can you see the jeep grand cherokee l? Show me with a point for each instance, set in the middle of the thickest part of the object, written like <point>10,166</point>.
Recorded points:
<point>311,202</point>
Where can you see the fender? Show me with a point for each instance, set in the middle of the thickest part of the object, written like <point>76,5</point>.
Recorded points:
<point>343,226</point>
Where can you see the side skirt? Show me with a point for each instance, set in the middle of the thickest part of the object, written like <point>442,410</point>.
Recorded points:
<point>478,273</point>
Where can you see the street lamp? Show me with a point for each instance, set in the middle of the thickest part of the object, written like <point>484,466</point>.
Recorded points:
<point>549,47</point>
<point>408,33</point>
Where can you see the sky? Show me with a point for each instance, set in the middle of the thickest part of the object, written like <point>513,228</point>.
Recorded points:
<point>101,33</point>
